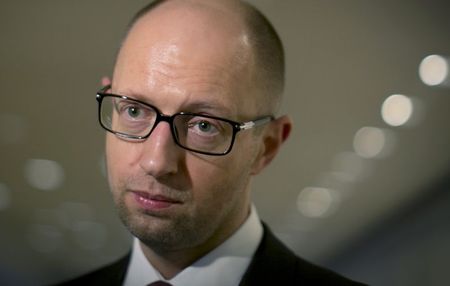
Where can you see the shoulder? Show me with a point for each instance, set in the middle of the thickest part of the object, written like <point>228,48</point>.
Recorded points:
<point>111,274</point>
<point>274,264</point>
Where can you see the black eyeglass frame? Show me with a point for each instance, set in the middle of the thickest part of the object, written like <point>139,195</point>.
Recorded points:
<point>237,126</point>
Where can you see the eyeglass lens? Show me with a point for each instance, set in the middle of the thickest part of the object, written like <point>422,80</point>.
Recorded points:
<point>136,120</point>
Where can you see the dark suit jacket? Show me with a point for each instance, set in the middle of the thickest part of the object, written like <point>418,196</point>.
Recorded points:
<point>272,264</point>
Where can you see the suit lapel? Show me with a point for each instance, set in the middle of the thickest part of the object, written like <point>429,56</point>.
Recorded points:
<point>272,264</point>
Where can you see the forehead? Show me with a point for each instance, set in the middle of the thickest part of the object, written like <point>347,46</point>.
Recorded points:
<point>187,54</point>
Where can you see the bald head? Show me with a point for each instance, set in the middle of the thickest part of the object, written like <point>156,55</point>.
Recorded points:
<point>196,73</point>
<point>261,49</point>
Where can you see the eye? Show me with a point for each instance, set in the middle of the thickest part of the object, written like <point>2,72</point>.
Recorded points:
<point>202,126</point>
<point>130,110</point>
<point>133,111</point>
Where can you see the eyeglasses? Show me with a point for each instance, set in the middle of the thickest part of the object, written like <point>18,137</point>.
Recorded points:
<point>133,119</point>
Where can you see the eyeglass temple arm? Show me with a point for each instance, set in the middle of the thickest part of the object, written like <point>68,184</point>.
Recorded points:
<point>254,123</point>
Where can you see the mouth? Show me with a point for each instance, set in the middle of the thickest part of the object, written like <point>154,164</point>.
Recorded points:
<point>154,202</point>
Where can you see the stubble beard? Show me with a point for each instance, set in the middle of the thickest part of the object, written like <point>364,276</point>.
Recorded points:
<point>164,234</point>
<point>182,231</point>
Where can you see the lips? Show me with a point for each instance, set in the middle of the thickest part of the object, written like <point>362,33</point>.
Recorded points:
<point>150,201</point>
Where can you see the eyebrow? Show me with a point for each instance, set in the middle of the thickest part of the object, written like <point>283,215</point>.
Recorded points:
<point>214,107</point>
<point>130,94</point>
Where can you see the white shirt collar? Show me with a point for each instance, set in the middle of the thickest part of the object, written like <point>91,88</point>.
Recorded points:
<point>223,266</point>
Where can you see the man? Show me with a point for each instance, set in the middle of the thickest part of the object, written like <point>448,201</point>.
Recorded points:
<point>190,112</point>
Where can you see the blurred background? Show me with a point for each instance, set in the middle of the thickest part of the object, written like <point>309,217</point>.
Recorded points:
<point>362,186</point>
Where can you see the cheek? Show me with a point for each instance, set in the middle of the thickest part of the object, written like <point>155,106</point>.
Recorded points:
<point>120,155</point>
<point>216,182</point>
<point>112,157</point>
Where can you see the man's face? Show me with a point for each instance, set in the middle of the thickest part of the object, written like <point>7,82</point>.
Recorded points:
<point>171,198</point>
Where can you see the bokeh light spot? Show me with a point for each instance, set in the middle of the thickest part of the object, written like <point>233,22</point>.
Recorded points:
<point>433,70</point>
<point>369,142</point>
<point>43,174</point>
<point>316,202</point>
<point>352,166</point>
<point>397,110</point>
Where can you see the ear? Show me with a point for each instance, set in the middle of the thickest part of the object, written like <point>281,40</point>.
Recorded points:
<point>274,135</point>
<point>105,81</point>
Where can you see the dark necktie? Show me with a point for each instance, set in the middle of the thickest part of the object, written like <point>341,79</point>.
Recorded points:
<point>159,283</point>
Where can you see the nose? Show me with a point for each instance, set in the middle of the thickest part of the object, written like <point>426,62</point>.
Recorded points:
<point>160,155</point>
